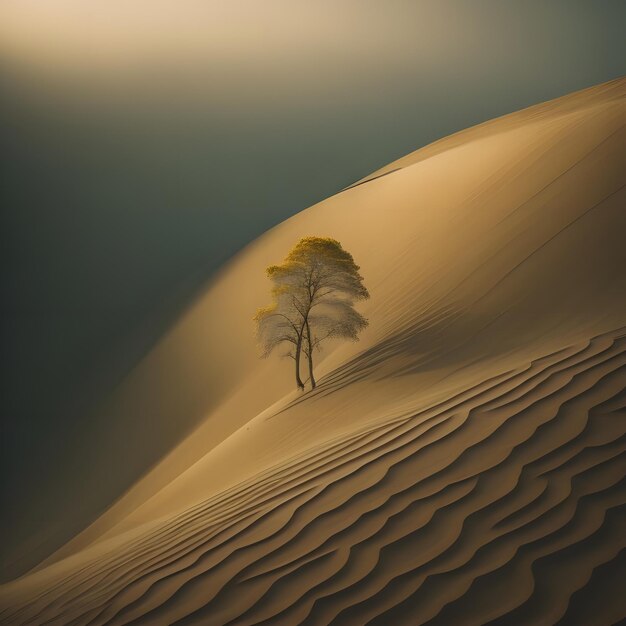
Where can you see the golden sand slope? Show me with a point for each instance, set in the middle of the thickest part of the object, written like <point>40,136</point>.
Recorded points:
<point>463,463</point>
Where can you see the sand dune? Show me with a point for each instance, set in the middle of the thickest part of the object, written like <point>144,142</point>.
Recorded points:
<point>464,463</point>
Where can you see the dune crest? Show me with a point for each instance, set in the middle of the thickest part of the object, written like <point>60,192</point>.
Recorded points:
<point>462,463</point>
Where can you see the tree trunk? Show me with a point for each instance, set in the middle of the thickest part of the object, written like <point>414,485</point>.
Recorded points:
<point>298,351</point>
<point>310,355</point>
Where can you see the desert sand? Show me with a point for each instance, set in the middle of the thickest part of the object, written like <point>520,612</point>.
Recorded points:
<point>463,463</point>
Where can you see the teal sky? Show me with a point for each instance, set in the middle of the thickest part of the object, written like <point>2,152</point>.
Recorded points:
<point>144,143</point>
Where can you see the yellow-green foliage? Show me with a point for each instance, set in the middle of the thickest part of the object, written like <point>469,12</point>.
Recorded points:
<point>313,291</point>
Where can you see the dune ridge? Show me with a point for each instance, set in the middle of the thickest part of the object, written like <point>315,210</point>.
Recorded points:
<point>563,155</point>
<point>464,463</point>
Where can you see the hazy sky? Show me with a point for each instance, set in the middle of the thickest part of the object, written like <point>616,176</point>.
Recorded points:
<point>145,142</point>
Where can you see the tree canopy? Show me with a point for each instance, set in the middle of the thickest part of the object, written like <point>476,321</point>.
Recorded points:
<point>313,295</point>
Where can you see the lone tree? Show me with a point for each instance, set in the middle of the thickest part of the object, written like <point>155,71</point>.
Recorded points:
<point>313,292</point>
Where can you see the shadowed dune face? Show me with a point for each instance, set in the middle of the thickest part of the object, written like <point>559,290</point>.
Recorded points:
<point>463,462</point>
